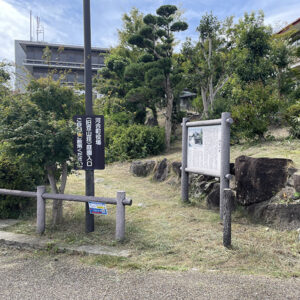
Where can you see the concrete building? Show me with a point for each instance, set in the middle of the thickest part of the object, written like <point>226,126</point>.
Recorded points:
<point>38,59</point>
<point>294,29</point>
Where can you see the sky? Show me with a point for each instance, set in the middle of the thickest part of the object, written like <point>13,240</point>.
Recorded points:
<point>62,19</point>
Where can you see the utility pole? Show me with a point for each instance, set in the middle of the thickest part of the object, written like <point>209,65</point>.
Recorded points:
<point>89,174</point>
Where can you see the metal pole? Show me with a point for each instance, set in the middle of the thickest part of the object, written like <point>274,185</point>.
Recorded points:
<point>89,174</point>
<point>184,174</point>
<point>40,210</point>
<point>225,158</point>
<point>120,217</point>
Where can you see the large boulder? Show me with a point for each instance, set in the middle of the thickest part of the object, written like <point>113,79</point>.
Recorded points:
<point>162,170</point>
<point>213,198</point>
<point>176,166</point>
<point>281,216</point>
<point>258,179</point>
<point>142,168</point>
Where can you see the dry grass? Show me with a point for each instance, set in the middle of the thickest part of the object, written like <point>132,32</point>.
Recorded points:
<point>162,233</point>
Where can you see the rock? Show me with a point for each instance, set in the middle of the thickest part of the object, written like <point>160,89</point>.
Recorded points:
<point>280,215</point>
<point>232,169</point>
<point>142,168</point>
<point>176,165</point>
<point>213,198</point>
<point>99,180</point>
<point>296,178</point>
<point>209,186</point>
<point>162,170</point>
<point>258,179</point>
<point>193,177</point>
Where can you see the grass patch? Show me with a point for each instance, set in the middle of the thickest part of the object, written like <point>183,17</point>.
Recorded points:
<point>164,234</point>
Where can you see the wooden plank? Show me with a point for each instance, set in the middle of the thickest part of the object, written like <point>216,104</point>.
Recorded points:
<point>120,217</point>
<point>78,198</point>
<point>66,197</point>
<point>17,193</point>
<point>228,195</point>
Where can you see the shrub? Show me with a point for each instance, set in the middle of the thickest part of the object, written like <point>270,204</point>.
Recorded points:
<point>292,116</point>
<point>16,176</point>
<point>255,110</point>
<point>134,141</point>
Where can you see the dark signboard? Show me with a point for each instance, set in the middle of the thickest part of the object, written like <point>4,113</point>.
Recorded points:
<point>89,142</point>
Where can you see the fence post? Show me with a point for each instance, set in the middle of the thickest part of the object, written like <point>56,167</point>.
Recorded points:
<point>227,218</point>
<point>184,174</point>
<point>225,158</point>
<point>41,210</point>
<point>120,217</point>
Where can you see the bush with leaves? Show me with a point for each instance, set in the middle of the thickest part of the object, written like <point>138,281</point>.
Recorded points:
<point>292,116</point>
<point>255,110</point>
<point>16,175</point>
<point>134,141</point>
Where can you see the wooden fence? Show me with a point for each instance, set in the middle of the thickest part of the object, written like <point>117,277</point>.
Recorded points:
<point>120,201</point>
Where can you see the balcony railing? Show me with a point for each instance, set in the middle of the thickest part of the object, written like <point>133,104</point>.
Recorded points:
<point>59,64</point>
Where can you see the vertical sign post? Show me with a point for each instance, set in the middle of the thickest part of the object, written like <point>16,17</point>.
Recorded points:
<point>184,174</point>
<point>225,158</point>
<point>89,174</point>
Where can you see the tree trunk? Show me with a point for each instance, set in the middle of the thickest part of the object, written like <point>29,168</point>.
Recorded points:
<point>211,92</point>
<point>168,123</point>
<point>204,101</point>
<point>57,204</point>
<point>154,114</point>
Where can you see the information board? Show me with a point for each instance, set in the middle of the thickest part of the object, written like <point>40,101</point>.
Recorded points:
<point>89,142</point>
<point>204,149</point>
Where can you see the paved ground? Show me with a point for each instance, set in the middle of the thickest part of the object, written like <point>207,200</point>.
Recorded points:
<point>36,242</point>
<point>29,275</point>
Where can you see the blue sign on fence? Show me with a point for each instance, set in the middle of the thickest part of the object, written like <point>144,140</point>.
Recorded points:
<point>97,208</point>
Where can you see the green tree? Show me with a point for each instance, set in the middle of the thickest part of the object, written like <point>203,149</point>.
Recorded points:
<point>253,49</point>
<point>4,79</point>
<point>207,64</point>
<point>37,126</point>
<point>132,23</point>
<point>157,38</point>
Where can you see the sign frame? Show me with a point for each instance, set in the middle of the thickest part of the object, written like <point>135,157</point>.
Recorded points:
<point>89,145</point>
<point>224,172</point>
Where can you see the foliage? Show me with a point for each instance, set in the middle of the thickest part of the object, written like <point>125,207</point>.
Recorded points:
<point>253,47</point>
<point>157,39</point>
<point>16,175</point>
<point>197,104</point>
<point>134,141</point>
<point>256,106</point>
<point>4,78</point>
<point>132,23</point>
<point>207,62</point>
<point>292,116</point>
<point>38,128</point>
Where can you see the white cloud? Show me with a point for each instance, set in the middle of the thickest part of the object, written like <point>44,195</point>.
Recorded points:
<point>14,25</point>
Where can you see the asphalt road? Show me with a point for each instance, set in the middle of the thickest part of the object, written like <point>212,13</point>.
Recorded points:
<point>25,275</point>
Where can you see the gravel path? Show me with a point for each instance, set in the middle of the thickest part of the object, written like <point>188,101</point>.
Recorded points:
<point>25,275</point>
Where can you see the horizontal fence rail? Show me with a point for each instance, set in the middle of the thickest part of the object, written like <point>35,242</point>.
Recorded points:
<point>76,198</point>
<point>120,201</point>
<point>17,193</point>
